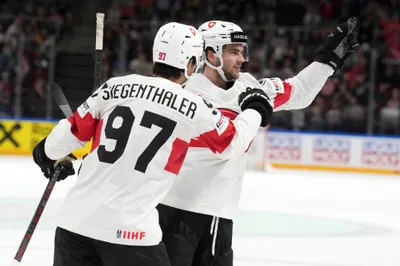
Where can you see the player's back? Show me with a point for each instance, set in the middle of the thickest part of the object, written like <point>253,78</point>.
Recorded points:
<point>143,130</point>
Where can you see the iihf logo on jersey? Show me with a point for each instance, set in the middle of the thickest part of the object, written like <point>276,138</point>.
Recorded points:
<point>130,235</point>
<point>119,233</point>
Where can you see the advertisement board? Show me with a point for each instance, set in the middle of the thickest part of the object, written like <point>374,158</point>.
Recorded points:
<point>21,136</point>
<point>360,153</point>
<point>281,149</point>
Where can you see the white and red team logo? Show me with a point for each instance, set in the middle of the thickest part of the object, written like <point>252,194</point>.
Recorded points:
<point>284,147</point>
<point>193,31</point>
<point>130,235</point>
<point>211,24</point>
<point>381,153</point>
<point>331,150</point>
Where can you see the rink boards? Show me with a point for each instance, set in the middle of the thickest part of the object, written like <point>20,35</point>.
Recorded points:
<point>281,149</point>
<point>338,152</point>
<point>19,137</point>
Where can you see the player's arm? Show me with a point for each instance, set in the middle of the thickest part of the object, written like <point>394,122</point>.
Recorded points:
<point>299,92</point>
<point>73,132</point>
<point>68,135</point>
<point>231,138</point>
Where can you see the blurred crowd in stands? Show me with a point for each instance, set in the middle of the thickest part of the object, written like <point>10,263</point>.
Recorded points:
<point>25,45</point>
<point>283,35</point>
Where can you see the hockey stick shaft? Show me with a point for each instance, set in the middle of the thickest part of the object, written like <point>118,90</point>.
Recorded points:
<point>98,49</point>
<point>56,90</point>
<point>36,217</point>
<point>67,111</point>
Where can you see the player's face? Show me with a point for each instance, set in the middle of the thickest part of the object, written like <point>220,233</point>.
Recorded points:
<point>232,55</point>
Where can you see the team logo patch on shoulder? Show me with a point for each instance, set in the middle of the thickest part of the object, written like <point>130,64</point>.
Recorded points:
<point>83,109</point>
<point>221,124</point>
<point>278,84</point>
<point>274,83</point>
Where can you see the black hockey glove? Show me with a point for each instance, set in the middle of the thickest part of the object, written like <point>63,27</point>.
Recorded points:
<point>48,166</point>
<point>256,99</point>
<point>338,45</point>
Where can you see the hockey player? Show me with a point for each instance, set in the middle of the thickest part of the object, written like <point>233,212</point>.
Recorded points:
<point>141,128</point>
<point>196,215</point>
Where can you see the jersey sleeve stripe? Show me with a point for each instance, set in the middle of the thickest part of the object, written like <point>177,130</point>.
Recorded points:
<point>218,143</point>
<point>282,98</point>
<point>97,135</point>
<point>228,113</point>
<point>83,128</point>
<point>177,156</point>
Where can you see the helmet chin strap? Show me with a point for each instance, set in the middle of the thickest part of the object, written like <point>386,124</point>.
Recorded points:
<point>219,68</point>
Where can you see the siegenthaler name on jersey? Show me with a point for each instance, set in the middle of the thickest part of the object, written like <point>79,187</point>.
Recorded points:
<point>154,94</point>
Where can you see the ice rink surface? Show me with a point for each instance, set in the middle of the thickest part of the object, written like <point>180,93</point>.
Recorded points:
<point>286,218</point>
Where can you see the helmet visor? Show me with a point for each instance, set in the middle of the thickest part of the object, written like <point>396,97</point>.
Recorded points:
<point>241,37</point>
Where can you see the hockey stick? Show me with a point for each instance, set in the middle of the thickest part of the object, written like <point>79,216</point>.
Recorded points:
<point>60,99</point>
<point>98,48</point>
<point>56,90</point>
<point>66,109</point>
<point>36,217</point>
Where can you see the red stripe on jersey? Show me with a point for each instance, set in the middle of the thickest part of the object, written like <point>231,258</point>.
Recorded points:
<point>228,113</point>
<point>282,98</point>
<point>199,143</point>
<point>249,146</point>
<point>177,156</point>
<point>96,138</point>
<point>83,128</point>
<point>218,143</point>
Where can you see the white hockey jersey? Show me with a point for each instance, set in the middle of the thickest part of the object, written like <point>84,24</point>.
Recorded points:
<point>141,129</point>
<point>211,186</point>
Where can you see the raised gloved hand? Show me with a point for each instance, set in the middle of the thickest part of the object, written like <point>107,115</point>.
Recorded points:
<point>48,166</point>
<point>338,45</point>
<point>258,100</point>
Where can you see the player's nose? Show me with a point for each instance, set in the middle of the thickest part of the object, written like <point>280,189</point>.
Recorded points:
<point>240,59</point>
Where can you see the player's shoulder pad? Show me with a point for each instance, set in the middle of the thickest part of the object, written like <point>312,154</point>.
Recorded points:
<point>248,79</point>
<point>194,81</point>
<point>220,121</point>
<point>275,84</point>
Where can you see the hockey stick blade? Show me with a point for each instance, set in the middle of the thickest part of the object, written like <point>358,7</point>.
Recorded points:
<point>61,100</point>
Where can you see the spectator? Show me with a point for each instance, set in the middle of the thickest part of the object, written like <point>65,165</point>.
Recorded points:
<point>334,116</point>
<point>5,98</point>
<point>316,119</point>
<point>390,114</point>
<point>140,65</point>
<point>354,116</point>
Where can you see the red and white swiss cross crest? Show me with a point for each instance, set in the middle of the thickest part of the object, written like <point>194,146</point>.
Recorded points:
<point>211,24</point>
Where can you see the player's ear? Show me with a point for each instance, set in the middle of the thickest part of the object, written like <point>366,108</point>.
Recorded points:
<point>191,66</point>
<point>211,56</point>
